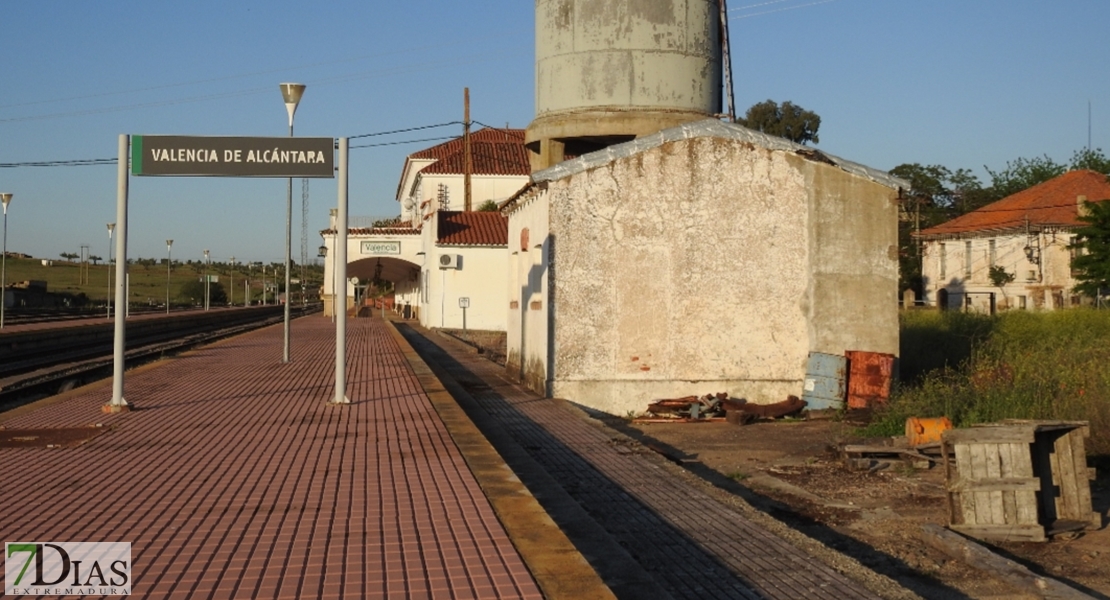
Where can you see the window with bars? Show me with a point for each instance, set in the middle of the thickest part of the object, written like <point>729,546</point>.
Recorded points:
<point>943,261</point>
<point>967,259</point>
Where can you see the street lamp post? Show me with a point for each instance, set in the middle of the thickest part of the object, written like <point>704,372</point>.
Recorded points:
<point>169,263</point>
<point>263,284</point>
<point>322,252</point>
<point>231,284</point>
<point>206,280</point>
<point>291,93</point>
<point>111,229</point>
<point>5,199</point>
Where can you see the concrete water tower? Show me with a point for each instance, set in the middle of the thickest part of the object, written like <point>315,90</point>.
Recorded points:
<point>608,71</point>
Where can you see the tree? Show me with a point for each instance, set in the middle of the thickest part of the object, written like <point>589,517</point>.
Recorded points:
<point>1022,174</point>
<point>1000,278</point>
<point>1091,248</point>
<point>487,206</point>
<point>94,259</point>
<point>1093,160</point>
<point>194,291</point>
<point>936,195</point>
<point>787,121</point>
<point>68,255</point>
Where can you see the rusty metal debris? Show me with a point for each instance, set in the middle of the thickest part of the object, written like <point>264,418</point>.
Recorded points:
<point>717,407</point>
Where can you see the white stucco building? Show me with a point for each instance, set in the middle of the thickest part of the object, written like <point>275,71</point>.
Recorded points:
<point>1026,234</point>
<point>433,179</point>
<point>703,258</point>
<point>465,271</point>
<point>470,283</point>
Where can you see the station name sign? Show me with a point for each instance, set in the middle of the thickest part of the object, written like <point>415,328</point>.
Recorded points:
<point>214,156</point>
<point>381,247</point>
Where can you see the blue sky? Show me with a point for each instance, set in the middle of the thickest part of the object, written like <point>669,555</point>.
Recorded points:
<point>952,82</point>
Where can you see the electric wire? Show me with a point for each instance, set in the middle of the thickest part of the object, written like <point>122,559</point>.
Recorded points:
<point>757,5</point>
<point>778,10</point>
<point>406,142</point>
<point>511,132</point>
<point>395,70</point>
<point>234,77</point>
<point>407,129</point>
<point>111,161</point>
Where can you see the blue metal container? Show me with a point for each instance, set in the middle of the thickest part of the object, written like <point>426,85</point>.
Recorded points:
<point>824,385</point>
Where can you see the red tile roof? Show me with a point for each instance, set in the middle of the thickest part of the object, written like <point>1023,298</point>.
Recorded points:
<point>1049,205</point>
<point>400,229</point>
<point>472,228</point>
<point>492,151</point>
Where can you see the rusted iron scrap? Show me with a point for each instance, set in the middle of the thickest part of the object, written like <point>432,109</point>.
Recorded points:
<point>710,407</point>
<point>717,407</point>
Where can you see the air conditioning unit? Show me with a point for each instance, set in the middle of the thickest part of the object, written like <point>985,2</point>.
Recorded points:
<point>450,261</point>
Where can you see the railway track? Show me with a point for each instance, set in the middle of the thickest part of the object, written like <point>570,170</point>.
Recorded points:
<point>41,362</point>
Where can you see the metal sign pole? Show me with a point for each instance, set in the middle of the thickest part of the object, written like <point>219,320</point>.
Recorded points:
<point>118,404</point>
<point>339,308</point>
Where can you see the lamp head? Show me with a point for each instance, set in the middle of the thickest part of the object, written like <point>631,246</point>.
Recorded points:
<point>322,252</point>
<point>169,244</point>
<point>291,93</point>
<point>5,198</point>
<point>111,228</point>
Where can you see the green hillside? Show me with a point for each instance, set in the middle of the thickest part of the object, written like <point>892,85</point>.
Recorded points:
<point>148,279</point>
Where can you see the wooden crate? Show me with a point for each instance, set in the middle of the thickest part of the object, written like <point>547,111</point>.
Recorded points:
<point>1018,480</point>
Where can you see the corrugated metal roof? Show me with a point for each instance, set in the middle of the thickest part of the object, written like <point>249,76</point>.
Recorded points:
<point>717,129</point>
<point>456,228</point>
<point>1051,204</point>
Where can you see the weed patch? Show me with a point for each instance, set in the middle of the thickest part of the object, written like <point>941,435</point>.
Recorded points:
<point>1024,365</point>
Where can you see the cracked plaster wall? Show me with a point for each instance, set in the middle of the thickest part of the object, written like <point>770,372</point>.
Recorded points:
<point>710,265</point>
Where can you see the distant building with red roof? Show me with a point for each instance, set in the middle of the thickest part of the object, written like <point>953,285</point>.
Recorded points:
<point>448,267</point>
<point>433,179</point>
<point>1027,234</point>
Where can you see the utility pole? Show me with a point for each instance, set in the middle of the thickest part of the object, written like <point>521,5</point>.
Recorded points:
<point>84,272</point>
<point>726,63</point>
<point>467,166</point>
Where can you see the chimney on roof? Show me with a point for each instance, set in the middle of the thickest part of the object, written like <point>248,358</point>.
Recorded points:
<point>1081,206</point>
<point>333,213</point>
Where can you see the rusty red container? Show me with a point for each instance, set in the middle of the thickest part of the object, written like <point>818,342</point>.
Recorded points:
<point>869,376</point>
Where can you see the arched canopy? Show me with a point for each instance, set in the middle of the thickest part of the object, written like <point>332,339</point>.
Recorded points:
<point>393,269</point>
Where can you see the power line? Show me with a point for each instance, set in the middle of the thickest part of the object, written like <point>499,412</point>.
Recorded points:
<point>510,132</point>
<point>400,69</point>
<point>61,163</point>
<point>778,10</point>
<point>757,5</point>
<point>404,130</point>
<point>84,162</point>
<point>228,77</point>
<point>435,139</point>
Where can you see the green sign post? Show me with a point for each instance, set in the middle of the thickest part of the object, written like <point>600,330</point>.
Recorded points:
<point>214,156</point>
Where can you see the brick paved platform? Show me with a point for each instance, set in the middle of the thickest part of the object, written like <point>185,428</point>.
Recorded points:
<point>689,543</point>
<point>235,479</point>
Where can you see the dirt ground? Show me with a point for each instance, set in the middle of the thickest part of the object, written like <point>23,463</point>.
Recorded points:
<point>789,469</point>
